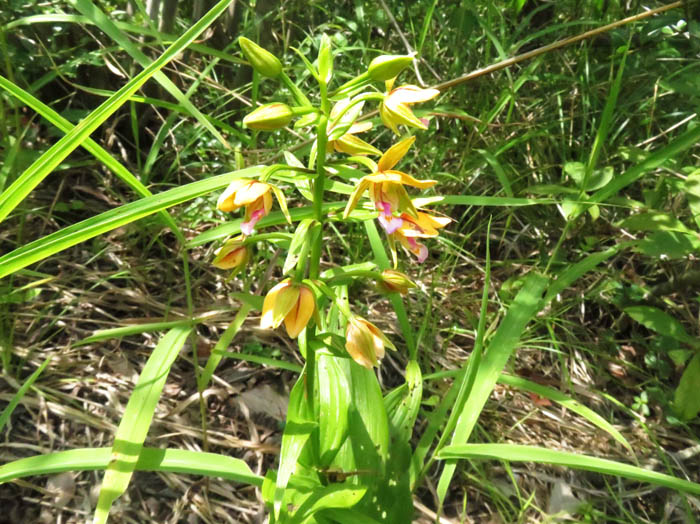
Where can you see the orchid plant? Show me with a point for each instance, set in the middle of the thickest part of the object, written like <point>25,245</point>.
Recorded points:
<point>336,408</point>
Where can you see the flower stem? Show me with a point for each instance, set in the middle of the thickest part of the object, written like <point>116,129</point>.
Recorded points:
<point>319,183</point>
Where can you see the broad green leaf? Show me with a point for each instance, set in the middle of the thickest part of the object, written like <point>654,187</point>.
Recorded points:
<point>519,453</point>
<point>340,496</point>
<point>597,179</point>
<point>149,459</point>
<point>297,431</point>
<point>136,420</point>
<point>654,221</point>
<point>101,20</point>
<point>333,405</point>
<point>34,174</point>
<point>669,244</point>
<point>403,403</point>
<point>660,322</point>
<point>112,219</point>
<point>687,400</point>
<point>692,188</point>
<point>7,412</point>
<point>456,427</point>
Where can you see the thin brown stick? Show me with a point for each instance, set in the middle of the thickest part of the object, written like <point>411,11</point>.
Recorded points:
<point>551,47</point>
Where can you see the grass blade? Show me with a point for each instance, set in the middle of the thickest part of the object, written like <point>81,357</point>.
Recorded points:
<point>7,412</point>
<point>500,348</point>
<point>567,402</point>
<point>137,418</point>
<point>519,453</point>
<point>92,12</point>
<point>35,173</point>
<point>150,459</point>
<point>112,219</point>
<point>90,145</point>
<point>220,348</point>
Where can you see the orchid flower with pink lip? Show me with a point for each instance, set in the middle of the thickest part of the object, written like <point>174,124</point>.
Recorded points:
<point>386,188</point>
<point>255,196</point>
<point>394,109</point>
<point>421,226</point>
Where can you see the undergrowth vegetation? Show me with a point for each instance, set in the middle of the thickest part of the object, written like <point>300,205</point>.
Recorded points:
<point>217,216</point>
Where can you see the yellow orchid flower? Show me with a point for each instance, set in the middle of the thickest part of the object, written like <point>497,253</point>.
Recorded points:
<point>422,226</point>
<point>365,342</point>
<point>234,254</point>
<point>292,303</point>
<point>386,188</point>
<point>394,109</point>
<point>257,199</point>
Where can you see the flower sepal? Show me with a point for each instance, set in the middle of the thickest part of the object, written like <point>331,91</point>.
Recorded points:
<point>386,67</point>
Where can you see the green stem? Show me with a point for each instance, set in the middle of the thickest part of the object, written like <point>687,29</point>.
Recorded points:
<point>319,183</point>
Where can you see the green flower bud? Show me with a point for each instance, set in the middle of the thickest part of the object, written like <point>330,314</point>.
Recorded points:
<point>262,60</point>
<point>269,117</point>
<point>393,281</point>
<point>386,67</point>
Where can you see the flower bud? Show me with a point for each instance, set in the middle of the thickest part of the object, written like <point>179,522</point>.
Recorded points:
<point>269,117</point>
<point>292,303</point>
<point>365,342</point>
<point>393,281</point>
<point>386,67</point>
<point>234,254</point>
<point>260,59</point>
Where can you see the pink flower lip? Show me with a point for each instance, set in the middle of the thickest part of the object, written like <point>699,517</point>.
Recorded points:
<point>247,227</point>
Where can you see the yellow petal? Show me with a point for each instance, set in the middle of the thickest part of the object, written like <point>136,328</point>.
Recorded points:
<point>278,302</point>
<point>355,196</point>
<point>411,181</point>
<point>352,145</point>
<point>410,94</point>
<point>387,120</point>
<point>395,153</point>
<point>250,193</point>
<point>429,221</point>
<point>226,199</point>
<point>299,316</point>
<point>360,127</point>
<point>401,114</point>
